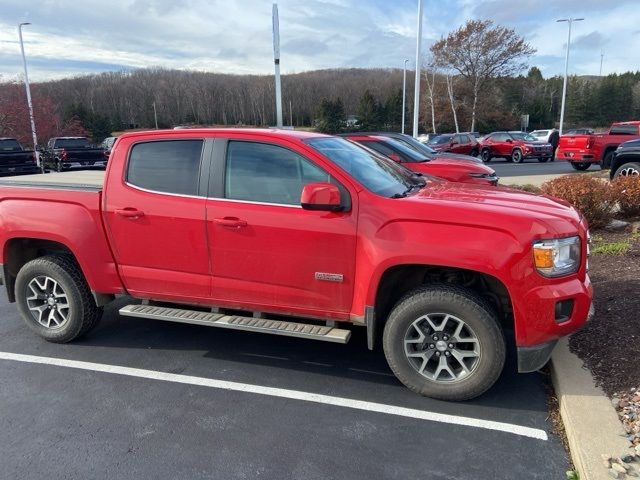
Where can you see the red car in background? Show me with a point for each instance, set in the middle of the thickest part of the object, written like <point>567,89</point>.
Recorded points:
<point>515,147</point>
<point>453,170</point>
<point>463,143</point>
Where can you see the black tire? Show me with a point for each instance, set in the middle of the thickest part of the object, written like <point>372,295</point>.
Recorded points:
<point>474,152</point>
<point>516,156</point>
<point>82,314</point>
<point>580,166</point>
<point>485,155</point>
<point>464,304</point>
<point>628,169</point>
<point>543,159</point>
<point>606,161</point>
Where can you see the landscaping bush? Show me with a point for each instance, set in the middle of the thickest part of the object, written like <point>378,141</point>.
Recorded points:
<point>626,191</point>
<point>593,197</point>
<point>527,187</point>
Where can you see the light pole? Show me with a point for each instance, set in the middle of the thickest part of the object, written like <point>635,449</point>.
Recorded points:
<point>416,95</point>
<point>404,90</point>
<point>601,59</point>
<point>26,86</point>
<point>155,114</point>
<point>276,61</point>
<point>566,68</point>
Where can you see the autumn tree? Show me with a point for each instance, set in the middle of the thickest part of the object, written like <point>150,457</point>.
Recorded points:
<point>479,51</point>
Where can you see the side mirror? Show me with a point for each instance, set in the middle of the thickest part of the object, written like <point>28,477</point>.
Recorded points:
<point>395,157</point>
<point>509,140</point>
<point>321,196</point>
<point>453,142</point>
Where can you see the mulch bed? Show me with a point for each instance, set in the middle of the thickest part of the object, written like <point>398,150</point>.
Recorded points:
<point>609,345</point>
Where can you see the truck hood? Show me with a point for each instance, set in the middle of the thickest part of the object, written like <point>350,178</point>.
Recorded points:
<point>493,204</point>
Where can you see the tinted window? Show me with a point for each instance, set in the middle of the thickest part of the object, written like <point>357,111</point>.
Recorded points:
<point>260,172</point>
<point>624,130</point>
<point>500,137</point>
<point>171,166</point>
<point>439,140</point>
<point>71,143</point>
<point>524,136</point>
<point>10,145</point>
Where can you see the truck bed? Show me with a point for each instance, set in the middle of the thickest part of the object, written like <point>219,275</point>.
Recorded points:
<point>81,180</point>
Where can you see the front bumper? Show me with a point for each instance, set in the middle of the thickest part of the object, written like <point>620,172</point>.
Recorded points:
<point>531,359</point>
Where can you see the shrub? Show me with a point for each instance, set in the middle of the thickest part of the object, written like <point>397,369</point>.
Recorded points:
<point>626,191</point>
<point>592,197</point>
<point>528,187</point>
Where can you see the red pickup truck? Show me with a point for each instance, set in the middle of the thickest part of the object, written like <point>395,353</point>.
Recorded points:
<point>584,149</point>
<point>305,235</point>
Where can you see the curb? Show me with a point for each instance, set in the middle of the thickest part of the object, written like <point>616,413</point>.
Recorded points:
<point>590,421</point>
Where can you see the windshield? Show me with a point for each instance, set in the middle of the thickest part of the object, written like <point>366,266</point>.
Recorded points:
<point>439,140</point>
<point>524,136</point>
<point>408,154</point>
<point>376,174</point>
<point>416,145</point>
<point>71,143</point>
<point>10,145</point>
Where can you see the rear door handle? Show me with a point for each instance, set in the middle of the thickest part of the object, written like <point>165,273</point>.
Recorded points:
<point>129,212</point>
<point>231,222</point>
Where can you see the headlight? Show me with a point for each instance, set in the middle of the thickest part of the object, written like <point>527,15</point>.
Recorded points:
<point>554,258</point>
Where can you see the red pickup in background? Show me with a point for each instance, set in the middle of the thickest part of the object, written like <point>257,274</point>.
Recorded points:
<point>583,150</point>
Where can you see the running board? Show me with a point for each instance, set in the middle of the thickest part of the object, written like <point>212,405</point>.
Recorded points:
<point>251,324</point>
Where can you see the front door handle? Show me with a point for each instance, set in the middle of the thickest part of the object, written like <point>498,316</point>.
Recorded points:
<point>231,222</point>
<point>129,212</point>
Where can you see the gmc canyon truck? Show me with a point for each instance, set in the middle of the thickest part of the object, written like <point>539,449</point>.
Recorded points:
<point>584,149</point>
<point>14,159</point>
<point>65,153</point>
<point>305,235</point>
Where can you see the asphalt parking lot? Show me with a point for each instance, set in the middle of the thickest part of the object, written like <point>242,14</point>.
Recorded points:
<point>532,167</point>
<point>140,398</point>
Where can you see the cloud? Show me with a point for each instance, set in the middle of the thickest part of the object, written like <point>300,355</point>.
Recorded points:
<point>233,36</point>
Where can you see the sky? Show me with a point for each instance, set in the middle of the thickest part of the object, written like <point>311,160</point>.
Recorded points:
<point>74,37</point>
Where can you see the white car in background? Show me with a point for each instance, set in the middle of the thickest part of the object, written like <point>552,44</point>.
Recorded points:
<point>543,135</point>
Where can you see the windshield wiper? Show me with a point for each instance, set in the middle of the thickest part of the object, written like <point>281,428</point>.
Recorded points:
<point>417,186</point>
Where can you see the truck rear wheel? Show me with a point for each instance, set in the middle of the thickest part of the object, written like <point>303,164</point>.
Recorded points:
<point>54,299</point>
<point>444,342</point>
<point>580,166</point>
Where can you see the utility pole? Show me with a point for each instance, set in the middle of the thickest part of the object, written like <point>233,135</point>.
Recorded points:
<point>404,91</point>
<point>566,68</point>
<point>276,61</point>
<point>601,59</point>
<point>416,95</point>
<point>28,89</point>
<point>290,114</point>
<point>155,114</point>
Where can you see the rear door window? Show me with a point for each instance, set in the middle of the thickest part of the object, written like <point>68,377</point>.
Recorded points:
<point>624,130</point>
<point>168,166</point>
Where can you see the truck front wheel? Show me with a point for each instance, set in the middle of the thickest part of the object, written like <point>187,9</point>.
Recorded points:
<point>444,342</point>
<point>54,299</point>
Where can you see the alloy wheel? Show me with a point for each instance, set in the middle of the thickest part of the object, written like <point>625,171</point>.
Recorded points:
<point>48,302</point>
<point>442,347</point>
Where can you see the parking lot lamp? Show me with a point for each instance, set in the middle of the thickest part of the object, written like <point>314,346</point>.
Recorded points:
<point>26,86</point>
<point>416,95</point>
<point>566,68</point>
<point>404,90</point>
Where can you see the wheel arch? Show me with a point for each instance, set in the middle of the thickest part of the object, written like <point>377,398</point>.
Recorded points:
<point>20,250</point>
<point>399,279</point>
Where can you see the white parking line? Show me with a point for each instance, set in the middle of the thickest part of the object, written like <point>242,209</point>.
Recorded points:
<point>281,393</point>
